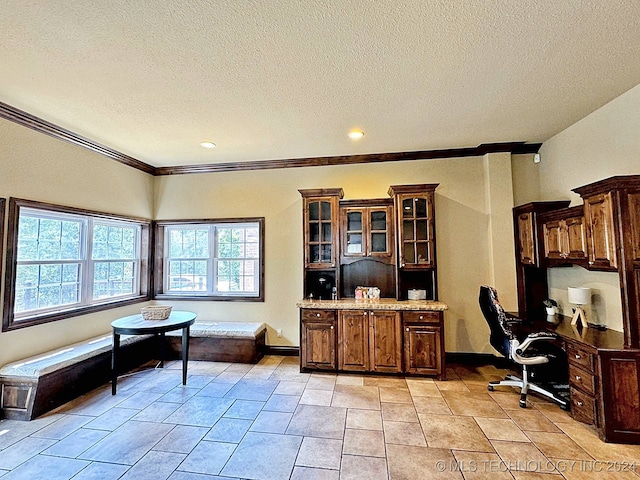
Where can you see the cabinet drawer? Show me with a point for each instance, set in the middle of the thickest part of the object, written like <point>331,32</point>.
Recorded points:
<point>318,315</point>
<point>582,379</point>
<point>583,407</point>
<point>581,357</point>
<point>421,317</point>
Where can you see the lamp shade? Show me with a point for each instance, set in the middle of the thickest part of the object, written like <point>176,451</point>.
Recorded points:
<point>579,295</point>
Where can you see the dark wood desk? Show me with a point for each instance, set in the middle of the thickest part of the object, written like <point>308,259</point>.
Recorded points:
<point>136,325</point>
<point>603,378</point>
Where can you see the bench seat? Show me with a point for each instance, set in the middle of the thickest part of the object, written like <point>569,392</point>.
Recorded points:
<point>35,385</point>
<point>235,342</point>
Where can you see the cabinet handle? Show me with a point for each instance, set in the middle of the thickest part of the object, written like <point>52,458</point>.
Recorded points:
<point>333,265</point>
<point>579,403</point>
<point>421,317</point>
<point>364,313</point>
<point>590,262</point>
<point>317,315</point>
<point>578,377</point>
<point>578,357</point>
<point>407,329</point>
<point>331,327</point>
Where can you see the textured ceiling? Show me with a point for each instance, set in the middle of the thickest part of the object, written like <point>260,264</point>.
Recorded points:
<point>280,79</point>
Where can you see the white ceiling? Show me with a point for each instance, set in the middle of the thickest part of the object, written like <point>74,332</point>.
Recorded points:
<point>278,79</point>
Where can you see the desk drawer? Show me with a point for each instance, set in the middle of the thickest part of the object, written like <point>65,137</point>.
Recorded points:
<point>583,407</point>
<point>421,317</point>
<point>581,357</point>
<point>582,379</point>
<point>318,315</point>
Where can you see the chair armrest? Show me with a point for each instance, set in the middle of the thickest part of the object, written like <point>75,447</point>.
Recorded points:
<point>534,337</point>
<point>512,319</point>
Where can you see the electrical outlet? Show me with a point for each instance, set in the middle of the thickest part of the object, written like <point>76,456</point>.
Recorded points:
<point>279,332</point>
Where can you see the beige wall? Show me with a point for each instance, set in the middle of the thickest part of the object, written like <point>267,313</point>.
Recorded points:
<point>38,167</point>
<point>603,144</point>
<point>463,233</point>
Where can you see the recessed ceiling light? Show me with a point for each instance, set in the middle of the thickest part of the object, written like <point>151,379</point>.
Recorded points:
<point>208,144</point>
<point>355,134</point>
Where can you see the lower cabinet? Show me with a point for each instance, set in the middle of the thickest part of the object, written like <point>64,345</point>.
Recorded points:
<point>369,341</point>
<point>384,341</point>
<point>318,339</point>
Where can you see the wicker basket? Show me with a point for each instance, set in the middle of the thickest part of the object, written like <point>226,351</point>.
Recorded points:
<point>155,312</point>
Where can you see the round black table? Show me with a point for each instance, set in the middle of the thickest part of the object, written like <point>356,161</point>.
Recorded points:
<point>136,325</point>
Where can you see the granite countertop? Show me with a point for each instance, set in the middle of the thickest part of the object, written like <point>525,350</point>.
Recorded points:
<point>381,304</point>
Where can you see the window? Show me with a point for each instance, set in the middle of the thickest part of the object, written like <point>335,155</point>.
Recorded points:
<point>214,259</point>
<point>66,261</point>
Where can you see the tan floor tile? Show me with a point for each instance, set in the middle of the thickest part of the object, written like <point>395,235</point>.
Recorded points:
<point>435,405</point>
<point>399,412</point>
<point>518,475</point>
<point>591,443</point>
<point>520,456</point>
<point>506,398</point>
<point>369,443</point>
<point>558,445</point>
<point>423,388</point>
<point>364,419</point>
<point>379,381</point>
<point>587,470</point>
<point>400,433</point>
<point>316,397</point>
<point>501,429</point>
<point>453,432</point>
<point>395,395</point>
<point>273,360</point>
<point>353,396</point>
<point>321,382</point>
<point>355,467</point>
<point>320,453</point>
<point>532,420</point>
<point>448,385</point>
<point>350,380</point>
<point>413,463</point>
<point>308,473</point>
<point>481,466</point>
<point>477,405</point>
<point>289,388</point>
<point>553,412</point>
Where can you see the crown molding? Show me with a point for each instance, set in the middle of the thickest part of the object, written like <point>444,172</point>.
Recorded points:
<point>39,125</point>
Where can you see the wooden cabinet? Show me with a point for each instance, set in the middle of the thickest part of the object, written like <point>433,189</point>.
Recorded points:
<point>369,341</point>
<point>423,343</point>
<point>601,240</point>
<point>318,339</point>
<point>320,208</point>
<point>582,382</point>
<point>367,231</point>
<point>564,236</point>
<point>526,239</point>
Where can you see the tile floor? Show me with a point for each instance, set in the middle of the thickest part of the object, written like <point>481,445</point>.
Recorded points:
<point>269,421</point>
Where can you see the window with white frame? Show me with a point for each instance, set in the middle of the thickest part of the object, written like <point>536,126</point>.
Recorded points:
<point>215,258</point>
<point>66,261</point>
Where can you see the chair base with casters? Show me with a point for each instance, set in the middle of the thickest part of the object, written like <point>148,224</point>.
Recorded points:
<point>538,357</point>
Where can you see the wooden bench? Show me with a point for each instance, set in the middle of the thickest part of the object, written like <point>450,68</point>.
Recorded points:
<point>236,342</point>
<point>35,385</point>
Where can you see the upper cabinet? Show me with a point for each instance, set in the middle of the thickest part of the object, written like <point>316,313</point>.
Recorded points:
<point>320,209</point>
<point>367,230</point>
<point>601,240</point>
<point>526,239</point>
<point>564,236</point>
<point>416,226</point>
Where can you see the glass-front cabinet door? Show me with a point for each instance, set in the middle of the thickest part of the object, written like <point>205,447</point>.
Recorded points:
<point>320,229</point>
<point>367,232</point>
<point>416,230</point>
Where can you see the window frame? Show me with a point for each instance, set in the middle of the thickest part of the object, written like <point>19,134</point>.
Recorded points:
<point>160,227</point>
<point>9,320</point>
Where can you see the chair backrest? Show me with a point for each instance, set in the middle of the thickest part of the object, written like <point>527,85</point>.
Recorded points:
<point>493,312</point>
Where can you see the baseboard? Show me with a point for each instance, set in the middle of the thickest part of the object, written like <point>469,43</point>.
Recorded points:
<point>469,358</point>
<point>282,350</point>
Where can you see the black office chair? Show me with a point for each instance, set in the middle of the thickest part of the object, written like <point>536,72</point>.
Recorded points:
<point>548,362</point>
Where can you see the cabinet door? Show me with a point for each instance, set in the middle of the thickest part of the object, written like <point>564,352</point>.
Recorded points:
<point>601,246</point>
<point>353,343</point>
<point>416,240</point>
<point>320,231</point>
<point>380,232</point>
<point>526,239</point>
<point>318,344</point>
<point>385,342</point>
<point>576,248</point>
<point>354,232</point>
<point>422,349</point>
<point>554,248</point>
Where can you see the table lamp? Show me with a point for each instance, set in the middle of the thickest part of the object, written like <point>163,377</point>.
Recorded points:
<point>579,296</point>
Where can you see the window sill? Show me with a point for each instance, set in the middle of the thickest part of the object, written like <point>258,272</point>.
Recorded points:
<point>209,298</point>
